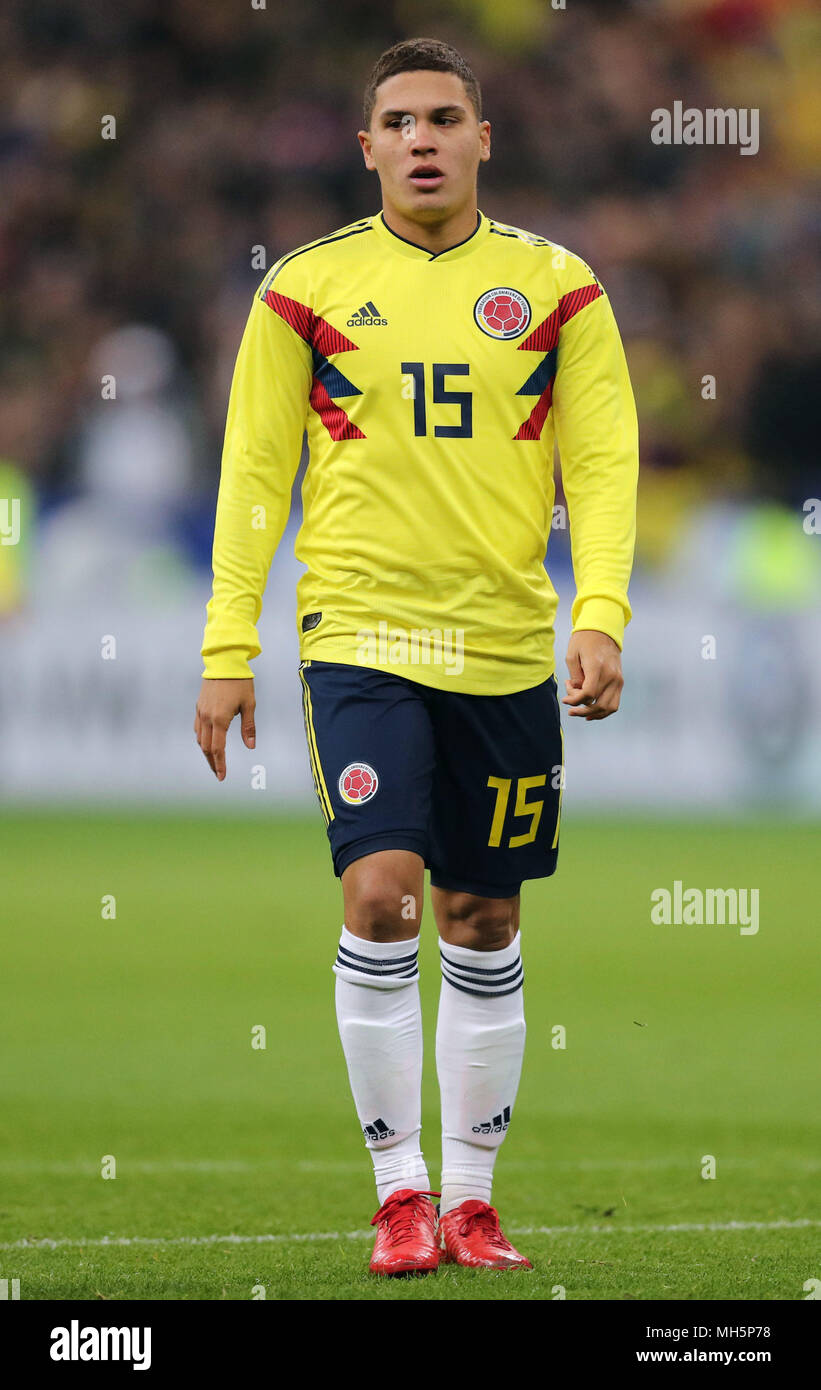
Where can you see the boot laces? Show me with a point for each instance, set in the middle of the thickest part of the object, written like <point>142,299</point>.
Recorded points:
<point>401,1213</point>
<point>479,1216</point>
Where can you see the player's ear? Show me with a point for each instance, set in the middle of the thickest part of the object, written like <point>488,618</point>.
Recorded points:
<point>363,136</point>
<point>484,140</point>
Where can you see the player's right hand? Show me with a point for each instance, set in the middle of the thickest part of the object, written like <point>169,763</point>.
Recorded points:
<point>219,701</point>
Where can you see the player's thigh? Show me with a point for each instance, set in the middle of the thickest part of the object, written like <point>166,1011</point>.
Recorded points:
<point>371,750</point>
<point>496,802</point>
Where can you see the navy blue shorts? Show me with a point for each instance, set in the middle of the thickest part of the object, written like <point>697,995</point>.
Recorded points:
<point>472,783</point>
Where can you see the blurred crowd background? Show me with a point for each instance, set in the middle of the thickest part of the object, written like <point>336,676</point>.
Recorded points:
<point>236,129</point>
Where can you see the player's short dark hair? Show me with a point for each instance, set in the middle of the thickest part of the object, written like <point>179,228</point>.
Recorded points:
<point>420,54</point>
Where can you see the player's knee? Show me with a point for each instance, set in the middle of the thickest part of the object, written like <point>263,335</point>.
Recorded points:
<point>480,924</point>
<point>381,908</point>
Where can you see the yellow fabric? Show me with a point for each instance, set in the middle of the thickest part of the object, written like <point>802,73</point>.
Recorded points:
<point>418,531</point>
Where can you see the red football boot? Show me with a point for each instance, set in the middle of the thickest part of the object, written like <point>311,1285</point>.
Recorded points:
<point>407,1234</point>
<point>471,1236</point>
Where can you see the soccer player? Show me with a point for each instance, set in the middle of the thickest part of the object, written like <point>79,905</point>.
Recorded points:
<point>431,352</point>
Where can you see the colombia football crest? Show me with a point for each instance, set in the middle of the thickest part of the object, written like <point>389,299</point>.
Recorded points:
<point>502,313</point>
<point>358,783</point>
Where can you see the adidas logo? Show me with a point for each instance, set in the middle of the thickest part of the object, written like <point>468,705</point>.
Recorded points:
<point>366,317</point>
<point>497,1125</point>
<point>378,1130</point>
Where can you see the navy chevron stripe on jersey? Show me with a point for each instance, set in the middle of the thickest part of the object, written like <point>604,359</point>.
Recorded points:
<point>481,980</point>
<point>331,377</point>
<point>538,380</point>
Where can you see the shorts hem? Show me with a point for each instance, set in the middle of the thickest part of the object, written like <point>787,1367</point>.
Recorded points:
<point>483,890</point>
<point>479,890</point>
<point>371,844</point>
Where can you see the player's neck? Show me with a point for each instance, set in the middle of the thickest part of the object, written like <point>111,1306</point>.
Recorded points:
<point>433,236</point>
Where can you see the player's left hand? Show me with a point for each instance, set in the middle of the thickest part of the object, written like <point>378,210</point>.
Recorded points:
<point>596,680</point>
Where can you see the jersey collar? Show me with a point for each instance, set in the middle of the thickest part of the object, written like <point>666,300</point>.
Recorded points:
<point>421,253</point>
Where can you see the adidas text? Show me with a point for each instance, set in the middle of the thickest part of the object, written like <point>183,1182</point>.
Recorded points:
<point>367,317</point>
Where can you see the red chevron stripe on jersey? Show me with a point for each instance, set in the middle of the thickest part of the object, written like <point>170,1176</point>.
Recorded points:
<point>546,335</point>
<point>571,303</point>
<point>332,415</point>
<point>315,331</point>
<point>543,339</point>
<point>323,339</point>
<point>532,426</point>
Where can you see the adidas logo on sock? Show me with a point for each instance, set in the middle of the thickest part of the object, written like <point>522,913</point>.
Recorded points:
<point>366,317</point>
<point>378,1130</point>
<point>497,1125</point>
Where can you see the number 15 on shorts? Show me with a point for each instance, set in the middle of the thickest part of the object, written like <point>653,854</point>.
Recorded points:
<point>526,805</point>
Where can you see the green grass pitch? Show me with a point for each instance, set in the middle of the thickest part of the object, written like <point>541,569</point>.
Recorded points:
<point>240,1168</point>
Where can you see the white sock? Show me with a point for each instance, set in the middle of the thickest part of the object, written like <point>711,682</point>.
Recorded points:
<point>380,1028</point>
<point>480,1039</point>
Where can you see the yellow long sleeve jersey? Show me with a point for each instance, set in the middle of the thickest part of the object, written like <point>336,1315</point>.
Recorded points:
<point>430,386</point>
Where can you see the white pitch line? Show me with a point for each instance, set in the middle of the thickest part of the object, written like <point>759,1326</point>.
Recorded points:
<point>47,1243</point>
<point>673,1229</point>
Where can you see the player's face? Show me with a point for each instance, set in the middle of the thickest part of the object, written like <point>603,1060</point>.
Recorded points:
<point>426,144</point>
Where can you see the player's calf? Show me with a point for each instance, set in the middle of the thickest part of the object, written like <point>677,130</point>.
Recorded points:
<point>480,1037</point>
<point>380,1028</point>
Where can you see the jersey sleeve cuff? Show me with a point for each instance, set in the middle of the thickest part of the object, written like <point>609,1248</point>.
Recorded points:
<point>227,666</point>
<point>601,615</point>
